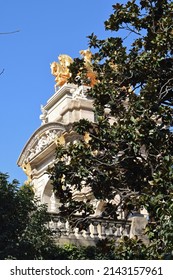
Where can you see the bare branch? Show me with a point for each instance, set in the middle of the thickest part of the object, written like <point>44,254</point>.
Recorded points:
<point>2,71</point>
<point>127,36</point>
<point>162,93</point>
<point>131,30</point>
<point>104,163</point>
<point>10,32</point>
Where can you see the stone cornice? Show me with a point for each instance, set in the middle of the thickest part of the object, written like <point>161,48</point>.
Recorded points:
<point>66,88</point>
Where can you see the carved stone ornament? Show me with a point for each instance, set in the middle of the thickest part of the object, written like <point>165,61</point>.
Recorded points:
<point>42,143</point>
<point>43,116</point>
<point>27,170</point>
<point>80,91</point>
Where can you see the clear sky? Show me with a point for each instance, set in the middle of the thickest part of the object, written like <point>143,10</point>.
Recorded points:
<point>47,28</point>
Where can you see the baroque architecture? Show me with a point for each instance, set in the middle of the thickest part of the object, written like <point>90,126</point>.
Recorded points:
<point>68,104</point>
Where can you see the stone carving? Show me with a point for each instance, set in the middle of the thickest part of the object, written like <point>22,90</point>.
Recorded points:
<point>84,194</point>
<point>32,154</point>
<point>60,70</point>
<point>46,139</point>
<point>43,116</point>
<point>80,91</point>
<point>53,203</point>
<point>42,142</point>
<point>99,207</point>
<point>27,170</point>
<point>51,135</point>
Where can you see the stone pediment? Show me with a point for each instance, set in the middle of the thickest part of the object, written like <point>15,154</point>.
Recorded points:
<point>41,139</point>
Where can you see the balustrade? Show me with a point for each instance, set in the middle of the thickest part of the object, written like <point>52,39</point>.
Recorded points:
<point>99,228</point>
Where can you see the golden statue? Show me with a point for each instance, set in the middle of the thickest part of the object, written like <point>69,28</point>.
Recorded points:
<point>62,73</point>
<point>27,169</point>
<point>60,70</point>
<point>87,56</point>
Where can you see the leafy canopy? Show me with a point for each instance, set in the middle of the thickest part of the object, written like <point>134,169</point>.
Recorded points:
<point>130,147</point>
<point>23,232</point>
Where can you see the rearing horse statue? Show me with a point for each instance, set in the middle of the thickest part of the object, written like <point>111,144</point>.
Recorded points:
<point>60,70</point>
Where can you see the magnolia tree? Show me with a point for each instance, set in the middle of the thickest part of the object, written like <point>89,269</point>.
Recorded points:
<point>130,156</point>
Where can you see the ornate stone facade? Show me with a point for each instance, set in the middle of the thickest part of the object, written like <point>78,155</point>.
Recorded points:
<point>69,104</point>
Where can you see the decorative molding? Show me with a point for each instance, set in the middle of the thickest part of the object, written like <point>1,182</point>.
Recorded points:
<point>41,138</point>
<point>59,94</point>
<point>80,91</point>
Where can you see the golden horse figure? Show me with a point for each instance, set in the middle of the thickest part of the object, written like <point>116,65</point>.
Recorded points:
<point>62,73</point>
<point>60,70</point>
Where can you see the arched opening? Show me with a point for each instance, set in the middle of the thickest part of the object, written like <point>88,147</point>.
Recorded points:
<point>48,197</point>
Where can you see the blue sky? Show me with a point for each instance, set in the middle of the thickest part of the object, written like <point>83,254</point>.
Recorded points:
<point>47,28</point>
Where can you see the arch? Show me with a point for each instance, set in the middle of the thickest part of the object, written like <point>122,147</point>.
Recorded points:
<point>38,135</point>
<point>46,194</point>
<point>48,198</point>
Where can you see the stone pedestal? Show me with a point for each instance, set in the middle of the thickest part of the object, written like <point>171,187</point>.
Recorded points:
<point>138,225</point>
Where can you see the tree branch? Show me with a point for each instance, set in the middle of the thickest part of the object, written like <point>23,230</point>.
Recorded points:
<point>161,90</point>
<point>131,30</point>
<point>2,71</point>
<point>10,32</point>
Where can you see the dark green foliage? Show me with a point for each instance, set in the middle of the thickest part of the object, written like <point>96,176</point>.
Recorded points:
<point>132,157</point>
<point>103,251</point>
<point>23,234</point>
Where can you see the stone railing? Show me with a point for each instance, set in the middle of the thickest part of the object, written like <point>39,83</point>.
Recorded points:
<point>98,229</point>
